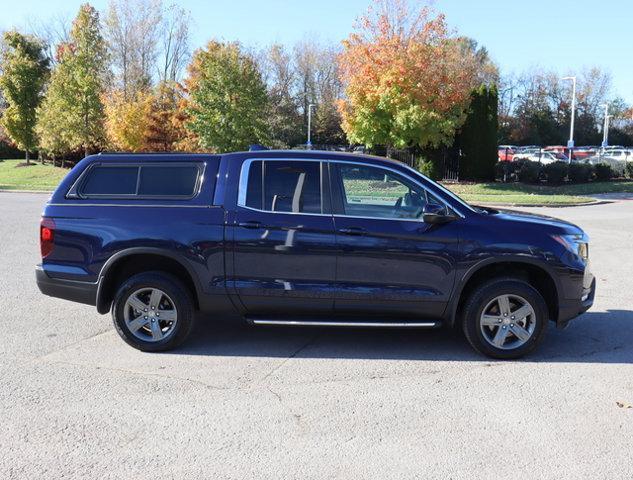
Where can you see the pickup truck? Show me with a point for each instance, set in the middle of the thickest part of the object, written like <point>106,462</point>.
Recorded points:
<point>303,238</point>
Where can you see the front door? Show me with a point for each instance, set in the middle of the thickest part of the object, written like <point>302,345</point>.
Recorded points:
<point>284,245</point>
<point>391,262</point>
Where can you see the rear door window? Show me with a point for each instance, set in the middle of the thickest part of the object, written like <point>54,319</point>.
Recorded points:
<point>283,186</point>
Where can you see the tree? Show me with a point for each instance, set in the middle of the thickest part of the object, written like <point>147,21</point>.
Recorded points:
<point>165,131</point>
<point>228,101</point>
<point>407,81</point>
<point>53,32</point>
<point>477,138</point>
<point>534,108</point>
<point>284,119</point>
<point>72,112</point>
<point>127,121</point>
<point>175,42</point>
<point>25,70</point>
<point>132,32</point>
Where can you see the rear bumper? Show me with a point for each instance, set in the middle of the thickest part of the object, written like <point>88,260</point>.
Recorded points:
<point>570,309</point>
<point>73,290</point>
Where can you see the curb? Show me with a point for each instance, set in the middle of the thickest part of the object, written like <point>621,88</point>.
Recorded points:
<point>25,191</point>
<point>549,205</point>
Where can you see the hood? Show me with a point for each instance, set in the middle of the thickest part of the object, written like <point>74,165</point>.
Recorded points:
<point>552,224</point>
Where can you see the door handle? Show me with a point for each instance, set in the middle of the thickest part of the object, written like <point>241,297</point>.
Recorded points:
<point>251,224</point>
<point>352,231</point>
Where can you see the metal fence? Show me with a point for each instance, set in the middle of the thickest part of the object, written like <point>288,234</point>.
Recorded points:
<point>448,158</point>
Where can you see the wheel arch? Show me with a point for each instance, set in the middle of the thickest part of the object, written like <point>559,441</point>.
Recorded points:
<point>131,261</point>
<point>531,271</point>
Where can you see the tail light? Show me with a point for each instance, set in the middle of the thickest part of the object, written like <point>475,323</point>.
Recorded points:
<point>47,236</point>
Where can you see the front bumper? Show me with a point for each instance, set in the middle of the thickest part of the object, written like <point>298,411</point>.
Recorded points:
<point>73,290</point>
<point>570,309</point>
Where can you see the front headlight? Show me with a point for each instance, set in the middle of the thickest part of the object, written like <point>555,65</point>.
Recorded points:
<point>578,244</point>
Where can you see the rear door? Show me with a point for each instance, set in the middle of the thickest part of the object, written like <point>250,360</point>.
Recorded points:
<point>284,245</point>
<point>391,261</point>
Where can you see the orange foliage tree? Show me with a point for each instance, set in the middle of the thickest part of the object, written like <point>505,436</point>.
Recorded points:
<point>407,78</point>
<point>127,120</point>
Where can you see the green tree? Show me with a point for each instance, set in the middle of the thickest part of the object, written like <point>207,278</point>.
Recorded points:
<point>73,113</point>
<point>228,100</point>
<point>477,138</point>
<point>25,70</point>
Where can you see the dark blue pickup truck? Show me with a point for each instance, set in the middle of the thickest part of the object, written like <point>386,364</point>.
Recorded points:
<point>303,238</point>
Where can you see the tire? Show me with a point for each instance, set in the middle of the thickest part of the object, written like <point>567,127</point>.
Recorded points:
<point>508,338</point>
<point>148,331</point>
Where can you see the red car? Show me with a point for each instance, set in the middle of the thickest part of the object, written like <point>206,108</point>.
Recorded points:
<point>506,153</point>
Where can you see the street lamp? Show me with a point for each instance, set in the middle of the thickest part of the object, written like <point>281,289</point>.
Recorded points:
<point>310,106</point>
<point>570,143</point>
<point>605,128</point>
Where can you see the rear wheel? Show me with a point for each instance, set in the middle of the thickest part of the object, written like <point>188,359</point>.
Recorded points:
<point>153,311</point>
<point>505,318</point>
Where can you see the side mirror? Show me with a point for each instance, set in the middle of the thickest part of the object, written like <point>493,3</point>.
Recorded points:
<point>435,214</point>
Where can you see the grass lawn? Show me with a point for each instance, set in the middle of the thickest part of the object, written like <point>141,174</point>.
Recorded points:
<point>515,193</point>
<point>33,177</point>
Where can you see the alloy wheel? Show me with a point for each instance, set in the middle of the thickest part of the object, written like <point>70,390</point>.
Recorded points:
<point>150,314</point>
<point>507,322</point>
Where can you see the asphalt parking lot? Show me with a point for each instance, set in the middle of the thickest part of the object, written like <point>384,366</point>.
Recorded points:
<point>241,402</point>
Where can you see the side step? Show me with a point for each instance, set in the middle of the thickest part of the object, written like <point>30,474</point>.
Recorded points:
<point>344,323</point>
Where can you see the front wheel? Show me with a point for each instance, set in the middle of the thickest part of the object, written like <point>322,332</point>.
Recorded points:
<point>505,318</point>
<point>153,311</point>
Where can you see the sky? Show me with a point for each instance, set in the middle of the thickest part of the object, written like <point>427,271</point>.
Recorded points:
<point>565,35</point>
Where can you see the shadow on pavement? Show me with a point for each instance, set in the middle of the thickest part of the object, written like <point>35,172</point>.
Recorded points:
<point>595,337</point>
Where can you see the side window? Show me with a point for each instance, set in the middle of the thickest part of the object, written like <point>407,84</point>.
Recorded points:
<point>111,181</point>
<point>164,180</point>
<point>369,191</point>
<point>283,186</point>
<point>168,181</point>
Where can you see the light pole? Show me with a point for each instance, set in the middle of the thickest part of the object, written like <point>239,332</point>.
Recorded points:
<point>605,128</point>
<point>570,143</point>
<point>310,106</point>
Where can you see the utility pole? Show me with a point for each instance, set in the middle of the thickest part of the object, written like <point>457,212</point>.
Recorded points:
<point>570,143</point>
<point>309,143</point>
<point>605,128</point>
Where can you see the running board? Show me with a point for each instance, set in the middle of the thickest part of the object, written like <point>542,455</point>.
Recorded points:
<point>343,323</point>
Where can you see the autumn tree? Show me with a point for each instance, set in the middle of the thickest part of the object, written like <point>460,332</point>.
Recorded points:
<point>72,112</point>
<point>24,68</point>
<point>228,101</point>
<point>127,120</point>
<point>165,131</point>
<point>407,80</point>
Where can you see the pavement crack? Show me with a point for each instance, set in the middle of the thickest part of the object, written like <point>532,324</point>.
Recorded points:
<point>277,367</point>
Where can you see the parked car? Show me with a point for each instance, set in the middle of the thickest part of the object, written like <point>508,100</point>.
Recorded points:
<point>541,156</point>
<point>506,153</point>
<point>620,154</point>
<point>576,153</point>
<point>581,153</point>
<point>303,238</point>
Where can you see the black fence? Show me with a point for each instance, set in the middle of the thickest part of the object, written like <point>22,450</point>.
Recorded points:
<point>447,158</point>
